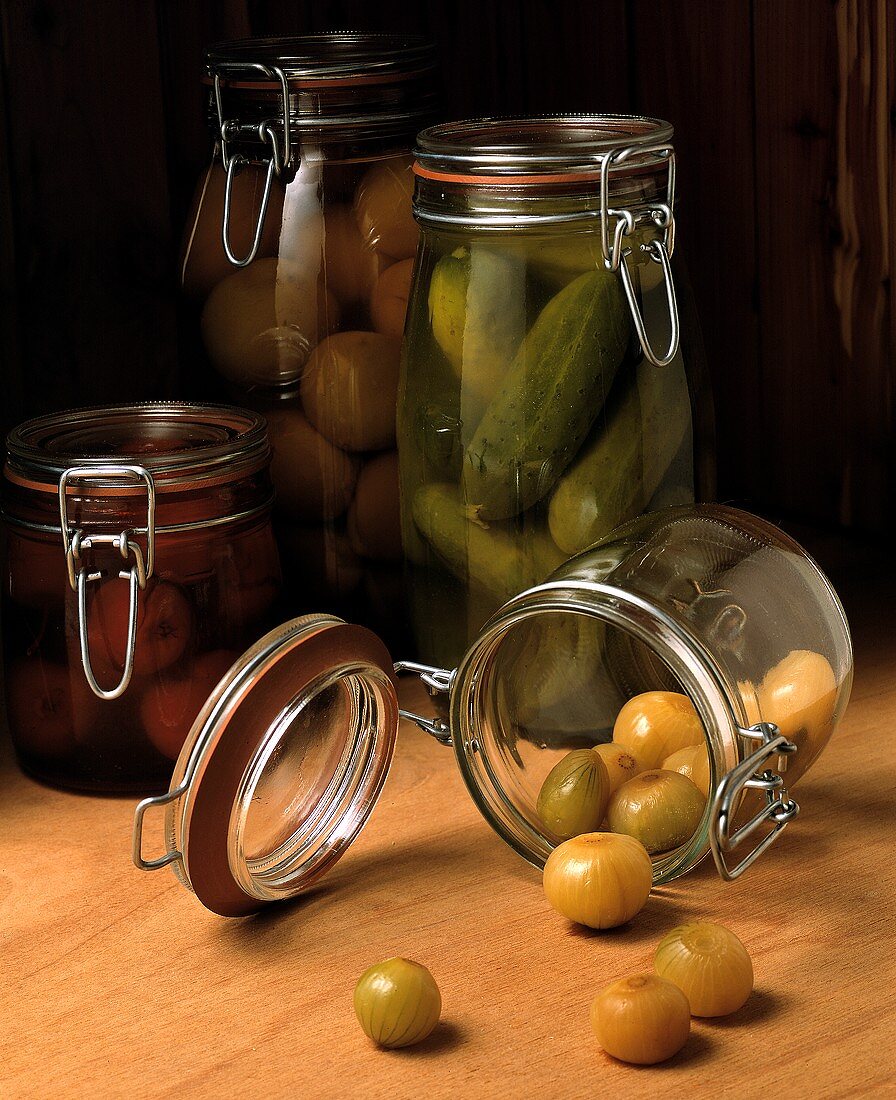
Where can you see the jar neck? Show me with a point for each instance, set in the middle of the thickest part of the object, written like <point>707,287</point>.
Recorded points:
<point>543,208</point>
<point>354,92</point>
<point>206,463</point>
<point>518,173</point>
<point>701,678</point>
<point>350,123</point>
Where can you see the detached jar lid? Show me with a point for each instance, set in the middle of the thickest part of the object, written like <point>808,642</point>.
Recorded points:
<point>282,766</point>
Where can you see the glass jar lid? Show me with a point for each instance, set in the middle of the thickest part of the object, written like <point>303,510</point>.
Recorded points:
<point>179,443</point>
<point>542,149</point>
<point>362,83</point>
<point>316,59</point>
<point>282,767</point>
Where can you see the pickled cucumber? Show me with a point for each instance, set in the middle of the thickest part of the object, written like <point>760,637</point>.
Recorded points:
<point>623,464</point>
<point>559,692</point>
<point>477,302</point>
<point>551,395</point>
<point>496,559</point>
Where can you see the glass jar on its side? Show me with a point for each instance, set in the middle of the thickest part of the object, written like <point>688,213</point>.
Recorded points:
<point>703,601</point>
<point>549,390</point>
<point>296,269</point>
<point>139,561</point>
<point>285,762</point>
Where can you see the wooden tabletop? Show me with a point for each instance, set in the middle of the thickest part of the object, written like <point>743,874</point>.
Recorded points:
<point>118,983</point>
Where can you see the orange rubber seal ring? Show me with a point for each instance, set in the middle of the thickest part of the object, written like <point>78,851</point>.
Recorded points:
<point>509,180</point>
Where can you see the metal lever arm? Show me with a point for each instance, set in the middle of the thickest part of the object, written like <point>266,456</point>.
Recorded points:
<point>751,773</point>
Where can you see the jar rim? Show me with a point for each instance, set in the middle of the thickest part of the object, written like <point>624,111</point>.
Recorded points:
<point>203,441</point>
<point>332,87</point>
<point>554,146</point>
<point>227,752</point>
<point>318,59</point>
<point>700,676</point>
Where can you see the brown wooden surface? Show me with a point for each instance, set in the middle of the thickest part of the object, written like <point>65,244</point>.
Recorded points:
<point>785,125</point>
<point>117,983</point>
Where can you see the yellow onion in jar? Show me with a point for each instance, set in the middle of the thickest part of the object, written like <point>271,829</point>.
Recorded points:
<point>313,479</point>
<point>260,324</point>
<point>799,693</point>
<point>709,964</point>
<point>389,300</point>
<point>374,518</point>
<point>643,1019</point>
<point>620,762</point>
<point>350,390</point>
<point>655,724</point>
<point>384,208</point>
<point>693,762</point>
<point>661,809</point>
<point>351,268</point>
<point>397,1003</point>
<point>598,879</point>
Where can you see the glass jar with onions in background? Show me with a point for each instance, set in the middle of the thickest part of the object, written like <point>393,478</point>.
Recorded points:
<point>296,265</point>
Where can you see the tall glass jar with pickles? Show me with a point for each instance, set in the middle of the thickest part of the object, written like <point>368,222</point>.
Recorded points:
<point>296,267</point>
<point>551,386</point>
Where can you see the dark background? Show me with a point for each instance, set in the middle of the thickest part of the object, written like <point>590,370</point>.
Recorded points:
<point>785,118</point>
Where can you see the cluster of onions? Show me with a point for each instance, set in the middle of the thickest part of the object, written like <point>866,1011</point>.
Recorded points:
<point>701,969</point>
<point>650,786</point>
<point>650,782</point>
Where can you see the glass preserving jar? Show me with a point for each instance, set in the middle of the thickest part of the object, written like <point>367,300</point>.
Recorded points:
<point>296,265</point>
<point>701,604</point>
<point>549,390</point>
<point>139,562</point>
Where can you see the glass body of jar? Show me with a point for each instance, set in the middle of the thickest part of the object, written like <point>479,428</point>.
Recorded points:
<point>296,269</point>
<point>707,603</point>
<point>532,420</point>
<point>139,561</point>
<point>701,601</point>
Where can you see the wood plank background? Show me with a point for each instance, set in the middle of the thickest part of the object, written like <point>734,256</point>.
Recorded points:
<point>785,124</point>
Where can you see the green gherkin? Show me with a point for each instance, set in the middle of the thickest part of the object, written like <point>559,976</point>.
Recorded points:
<point>623,463</point>
<point>552,393</point>
<point>477,302</point>
<point>494,559</point>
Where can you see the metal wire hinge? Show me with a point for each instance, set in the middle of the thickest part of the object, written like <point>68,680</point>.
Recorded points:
<point>139,814</point>
<point>231,130</point>
<point>439,681</point>
<point>616,254</point>
<point>76,541</point>
<point>751,773</point>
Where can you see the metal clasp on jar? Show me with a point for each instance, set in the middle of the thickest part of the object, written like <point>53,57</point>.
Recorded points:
<point>76,541</point>
<point>662,215</point>
<point>231,130</point>
<point>439,681</point>
<point>751,773</point>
